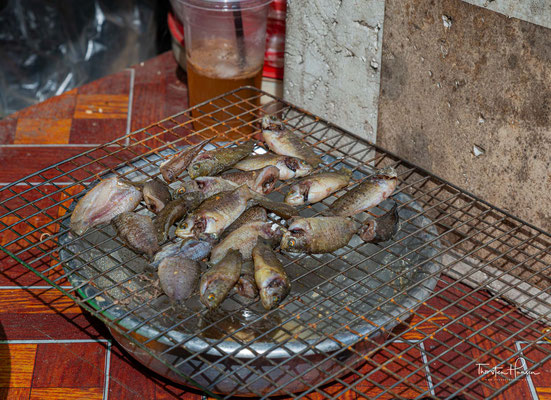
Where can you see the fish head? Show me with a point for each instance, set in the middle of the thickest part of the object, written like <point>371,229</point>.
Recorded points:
<point>272,123</point>
<point>213,292</point>
<point>274,289</point>
<point>296,238</point>
<point>185,228</point>
<point>201,167</point>
<point>299,167</point>
<point>298,194</point>
<point>266,180</point>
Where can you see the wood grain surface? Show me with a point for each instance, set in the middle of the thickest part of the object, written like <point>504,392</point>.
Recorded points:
<point>50,349</point>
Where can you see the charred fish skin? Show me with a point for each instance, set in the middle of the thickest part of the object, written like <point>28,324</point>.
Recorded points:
<point>103,202</point>
<point>318,235</point>
<point>246,285</point>
<point>178,277</point>
<point>382,228</point>
<point>289,167</point>
<point>195,250</point>
<point>174,211</point>
<point>367,194</point>
<point>270,276</point>
<point>282,141</point>
<point>217,282</point>
<point>215,214</point>
<point>173,167</point>
<point>156,195</point>
<point>215,161</point>
<point>253,214</point>
<point>317,187</point>
<point>261,181</point>
<point>244,239</point>
<point>137,231</point>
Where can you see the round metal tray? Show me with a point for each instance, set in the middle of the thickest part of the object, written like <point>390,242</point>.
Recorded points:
<point>336,301</point>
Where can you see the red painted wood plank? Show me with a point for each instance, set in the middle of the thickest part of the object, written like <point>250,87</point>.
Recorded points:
<point>67,365</point>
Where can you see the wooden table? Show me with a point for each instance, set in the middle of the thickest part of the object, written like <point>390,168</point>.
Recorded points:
<point>50,348</point>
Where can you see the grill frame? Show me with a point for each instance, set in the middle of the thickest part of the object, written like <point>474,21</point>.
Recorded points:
<point>462,227</point>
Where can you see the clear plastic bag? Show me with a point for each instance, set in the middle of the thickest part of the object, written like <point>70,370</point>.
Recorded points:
<point>49,47</point>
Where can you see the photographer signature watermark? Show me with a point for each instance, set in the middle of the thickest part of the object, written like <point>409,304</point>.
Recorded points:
<point>505,372</point>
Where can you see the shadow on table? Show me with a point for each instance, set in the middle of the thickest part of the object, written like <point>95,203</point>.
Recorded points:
<point>5,365</point>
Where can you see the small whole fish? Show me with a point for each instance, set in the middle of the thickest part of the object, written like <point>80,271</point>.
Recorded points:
<point>215,161</point>
<point>253,214</point>
<point>271,279</point>
<point>246,285</point>
<point>219,279</point>
<point>215,214</point>
<point>178,277</point>
<point>218,212</point>
<point>174,211</point>
<point>244,239</point>
<point>367,194</point>
<point>282,141</point>
<point>174,166</point>
<point>195,250</point>
<point>261,181</point>
<point>382,228</point>
<point>103,202</point>
<point>318,234</point>
<point>317,187</point>
<point>156,195</point>
<point>289,167</point>
<point>137,231</point>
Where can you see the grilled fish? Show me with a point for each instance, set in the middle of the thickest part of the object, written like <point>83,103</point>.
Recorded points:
<point>174,211</point>
<point>103,202</point>
<point>215,161</point>
<point>318,234</point>
<point>282,141</point>
<point>137,231</point>
<point>317,187</point>
<point>217,282</point>
<point>383,228</point>
<point>178,277</point>
<point>244,239</point>
<point>173,167</point>
<point>195,250</point>
<point>261,181</point>
<point>367,194</point>
<point>156,195</point>
<point>218,212</point>
<point>271,279</point>
<point>289,167</point>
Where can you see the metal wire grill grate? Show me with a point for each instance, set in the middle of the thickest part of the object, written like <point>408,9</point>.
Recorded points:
<point>457,304</point>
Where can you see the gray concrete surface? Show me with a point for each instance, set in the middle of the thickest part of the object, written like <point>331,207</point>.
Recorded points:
<point>333,58</point>
<point>466,94</point>
<point>534,11</point>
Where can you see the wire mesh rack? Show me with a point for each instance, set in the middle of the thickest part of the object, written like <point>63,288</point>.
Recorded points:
<point>457,304</point>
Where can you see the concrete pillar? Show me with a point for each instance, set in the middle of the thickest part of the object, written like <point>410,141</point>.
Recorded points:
<point>333,59</point>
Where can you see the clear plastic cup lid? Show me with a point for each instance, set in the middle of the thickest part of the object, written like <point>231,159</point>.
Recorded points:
<point>224,4</point>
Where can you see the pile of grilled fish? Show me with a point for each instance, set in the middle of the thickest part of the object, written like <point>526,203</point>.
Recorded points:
<point>222,216</point>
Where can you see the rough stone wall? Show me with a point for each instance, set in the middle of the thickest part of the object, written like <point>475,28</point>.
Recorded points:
<point>466,94</point>
<point>332,60</point>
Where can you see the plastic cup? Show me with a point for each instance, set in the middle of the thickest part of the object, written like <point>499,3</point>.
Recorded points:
<point>225,42</point>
